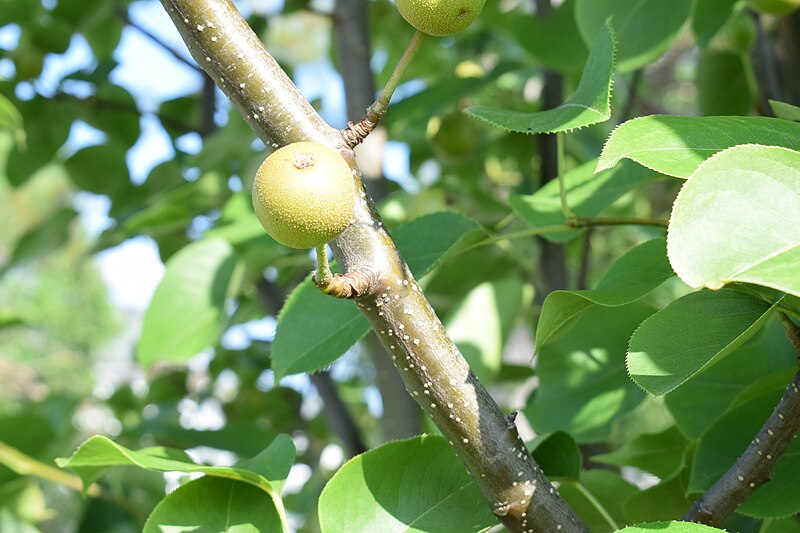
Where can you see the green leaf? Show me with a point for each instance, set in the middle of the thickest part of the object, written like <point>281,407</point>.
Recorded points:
<point>709,17</point>
<point>590,104</point>
<point>785,111</point>
<point>703,399</point>
<point>723,84</point>
<point>661,454</point>
<point>557,454</point>
<point>601,488</point>
<point>676,145</point>
<point>314,329</point>
<point>728,437</point>
<point>415,485</point>
<point>99,453</point>
<point>480,322</point>
<point>753,236</point>
<point>11,120</point>
<point>588,195</point>
<point>100,169</point>
<point>554,40</point>
<point>583,386</point>
<point>660,502</point>
<point>690,335</point>
<point>51,234</point>
<point>187,311</point>
<point>645,28</point>
<point>631,277</point>
<point>671,527</point>
<point>113,110</point>
<point>215,504</point>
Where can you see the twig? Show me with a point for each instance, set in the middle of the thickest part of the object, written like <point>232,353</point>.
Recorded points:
<point>569,225</point>
<point>355,133</point>
<point>336,414</point>
<point>633,93</point>
<point>754,467</point>
<point>582,222</point>
<point>581,280</point>
<point>765,66</point>
<point>123,14</point>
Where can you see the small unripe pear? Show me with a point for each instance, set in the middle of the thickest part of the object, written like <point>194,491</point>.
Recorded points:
<point>440,17</point>
<point>303,195</point>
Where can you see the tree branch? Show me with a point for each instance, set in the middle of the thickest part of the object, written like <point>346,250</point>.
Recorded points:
<point>754,467</point>
<point>432,368</point>
<point>336,414</point>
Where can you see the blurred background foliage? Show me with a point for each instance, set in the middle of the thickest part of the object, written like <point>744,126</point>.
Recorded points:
<point>117,153</point>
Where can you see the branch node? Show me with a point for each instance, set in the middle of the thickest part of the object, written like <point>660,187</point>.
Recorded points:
<point>354,133</point>
<point>510,418</point>
<point>351,285</point>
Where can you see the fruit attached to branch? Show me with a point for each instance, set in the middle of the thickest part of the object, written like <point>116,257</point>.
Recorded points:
<point>303,195</point>
<point>440,17</point>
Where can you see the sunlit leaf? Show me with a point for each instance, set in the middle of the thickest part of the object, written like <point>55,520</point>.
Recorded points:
<point>416,486</point>
<point>676,145</point>
<point>751,236</point>
<point>590,104</point>
<point>187,311</point>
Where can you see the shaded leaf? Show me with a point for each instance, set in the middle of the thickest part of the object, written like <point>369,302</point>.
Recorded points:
<point>785,111</point>
<point>100,169</point>
<point>753,236</point>
<point>337,324</point>
<point>583,386</point>
<point>51,234</point>
<point>557,454</point>
<point>554,40</point>
<point>660,502</point>
<point>696,404</point>
<point>661,454</point>
<point>215,504</point>
<point>607,489</point>
<point>676,145</point>
<point>187,311</point>
<point>690,335</point>
<point>645,28</point>
<point>415,485</point>
<point>630,278</point>
<point>709,17</point>
<point>723,84</point>
<point>11,120</point>
<point>590,104</point>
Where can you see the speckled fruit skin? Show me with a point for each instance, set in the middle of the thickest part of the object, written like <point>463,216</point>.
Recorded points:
<point>440,17</point>
<point>303,195</point>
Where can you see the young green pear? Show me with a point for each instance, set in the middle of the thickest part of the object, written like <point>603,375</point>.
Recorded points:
<point>440,17</point>
<point>303,194</point>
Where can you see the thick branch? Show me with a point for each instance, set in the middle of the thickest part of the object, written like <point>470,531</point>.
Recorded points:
<point>754,467</point>
<point>431,366</point>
